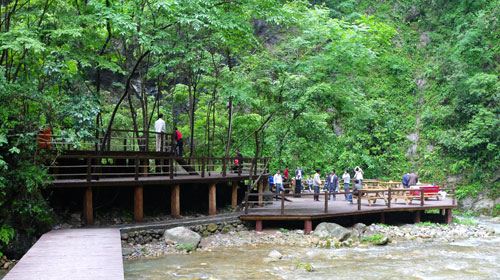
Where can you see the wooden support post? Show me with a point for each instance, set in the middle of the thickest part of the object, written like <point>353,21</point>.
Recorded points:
<point>307,226</point>
<point>258,225</point>
<point>175,201</point>
<point>88,209</point>
<point>261,190</point>
<point>138,203</point>
<point>212,206</point>
<point>327,197</point>
<point>449,216</point>
<point>234,194</point>
<point>382,218</point>
<point>441,212</point>
<point>417,217</point>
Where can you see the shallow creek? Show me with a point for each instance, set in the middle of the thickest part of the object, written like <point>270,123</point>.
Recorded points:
<point>474,258</point>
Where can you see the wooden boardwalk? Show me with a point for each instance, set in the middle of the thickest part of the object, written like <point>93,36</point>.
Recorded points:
<point>72,254</point>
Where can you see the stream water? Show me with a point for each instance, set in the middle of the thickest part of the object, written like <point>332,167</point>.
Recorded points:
<point>475,258</point>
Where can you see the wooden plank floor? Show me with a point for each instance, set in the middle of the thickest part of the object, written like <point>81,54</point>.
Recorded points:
<point>306,207</point>
<point>72,254</point>
<point>150,180</point>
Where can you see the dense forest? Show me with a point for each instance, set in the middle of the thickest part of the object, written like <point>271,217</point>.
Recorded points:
<point>391,86</point>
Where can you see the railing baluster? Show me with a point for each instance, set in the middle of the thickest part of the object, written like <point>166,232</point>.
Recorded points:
<point>202,167</point>
<point>283,203</point>
<point>360,193</point>
<point>171,167</point>
<point>89,169</point>
<point>327,197</point>
<point>224,167</point>
<point>389,198</point>
<point>421,197</point>
<point>136,175</point>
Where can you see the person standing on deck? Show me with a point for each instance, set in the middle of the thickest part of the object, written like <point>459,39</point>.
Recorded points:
<point>316,184</point>
<point>286,173</point>
<point>413,180</point>
<point>160,133</point>
<point>406,180</point>
<point>358,175</point>
<point>333,182</point>
<point>347,181</point>
<point>298,182</point>
<point>238,162</point>
<point>278,183</point>
<point>179,141</point>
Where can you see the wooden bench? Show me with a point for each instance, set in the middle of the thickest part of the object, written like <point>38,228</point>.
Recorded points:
<point>372,197</point>
<point>414,193</point>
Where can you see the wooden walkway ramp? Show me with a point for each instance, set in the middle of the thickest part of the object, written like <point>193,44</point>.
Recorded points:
<point>72,254</point>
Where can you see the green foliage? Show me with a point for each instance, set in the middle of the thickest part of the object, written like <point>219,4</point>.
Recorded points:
<point>305,266</point>
<point>468,221</point>
<point>425,224</point>
<point>188,247</point>
<point>373,239</point>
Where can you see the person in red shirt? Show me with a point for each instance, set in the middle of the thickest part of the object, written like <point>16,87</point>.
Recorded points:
<point>286,174</point>
<point>178,140</point>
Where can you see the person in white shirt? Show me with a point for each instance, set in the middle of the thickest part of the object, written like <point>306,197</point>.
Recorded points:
<point>347,181</point>
<point>316,184</point>
<point>160,133</point>
<point>358,174</point>
<point>278,183</point>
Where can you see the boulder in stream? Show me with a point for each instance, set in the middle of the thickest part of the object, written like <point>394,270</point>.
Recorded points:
<point>332,230</point>
<point>182,235</point>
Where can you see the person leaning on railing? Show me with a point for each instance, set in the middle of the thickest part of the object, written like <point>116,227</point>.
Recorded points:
<point>160,133</point>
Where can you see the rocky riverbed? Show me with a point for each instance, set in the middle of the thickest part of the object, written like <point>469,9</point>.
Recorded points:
<point>326,235</point>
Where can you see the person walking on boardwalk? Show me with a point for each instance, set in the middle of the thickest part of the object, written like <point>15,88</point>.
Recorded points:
<point>160,133</point>
<point>179,141</point>
<point>358,175</point>
<point>333,182</point>
<point>346,177</point>
<point>298,182</point>
<point>278,183</point>
<point>316,184</point>
<point>406,180</point>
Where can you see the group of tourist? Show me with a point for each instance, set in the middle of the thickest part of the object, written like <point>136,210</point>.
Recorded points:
<point>160,130</point>
<point>330,183</point>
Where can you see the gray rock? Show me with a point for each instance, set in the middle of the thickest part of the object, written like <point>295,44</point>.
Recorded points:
<point>360,227</point>
<point>182,235</point>
<point>124,236</point>
<point>275,255</point>
<point>332,230</point>
<point>127,251</point>
<point>212,228</point>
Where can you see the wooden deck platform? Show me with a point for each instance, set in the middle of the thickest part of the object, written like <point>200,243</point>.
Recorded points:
<point>74,254</point>
<point>306,209</point>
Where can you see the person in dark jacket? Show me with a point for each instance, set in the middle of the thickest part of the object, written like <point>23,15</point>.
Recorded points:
<point>406,180</point>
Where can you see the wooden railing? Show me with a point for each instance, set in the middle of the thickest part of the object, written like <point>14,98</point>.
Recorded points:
<point>388,195</point>
<point>119,140</point>
<point>94,166</point>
